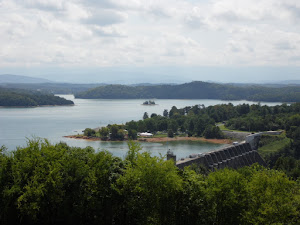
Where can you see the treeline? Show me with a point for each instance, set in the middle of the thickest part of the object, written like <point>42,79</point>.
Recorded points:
<point>57,184</point>
<point>113,132</point>
<point>50,88</point>
<point>199,121</point>
<point>262,118</point>
<point>175,122</point>
<point>17,97</point>
<point>287,159</point>
<point>195,90</point>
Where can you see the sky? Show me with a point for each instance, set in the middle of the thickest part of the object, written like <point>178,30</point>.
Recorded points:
<point>134,41</point>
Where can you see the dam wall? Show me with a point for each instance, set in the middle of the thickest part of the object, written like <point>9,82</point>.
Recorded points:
<point>253,139</point>
<point>235,156</point>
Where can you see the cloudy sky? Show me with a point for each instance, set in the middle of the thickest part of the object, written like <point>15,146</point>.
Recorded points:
<point>151,40</point>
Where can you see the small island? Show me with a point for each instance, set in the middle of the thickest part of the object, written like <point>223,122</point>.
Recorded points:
<point>149,102</point>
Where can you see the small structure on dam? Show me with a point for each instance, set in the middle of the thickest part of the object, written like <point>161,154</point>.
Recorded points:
<point>235,156</point>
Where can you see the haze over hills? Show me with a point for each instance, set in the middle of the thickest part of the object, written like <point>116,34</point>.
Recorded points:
<point>10,78</point>
<point>90,82</point>
<point>43,85</point>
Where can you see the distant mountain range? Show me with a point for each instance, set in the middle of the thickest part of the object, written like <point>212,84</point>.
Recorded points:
<point>17,79</point>
<point>42,85</point>
<point>283,91</point>
<point>289,82</point>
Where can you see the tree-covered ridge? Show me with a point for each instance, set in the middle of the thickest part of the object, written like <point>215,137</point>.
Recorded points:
<point>57,184</point>
<point>17,97</point>
<point>195,90</point>
<point>56,88</point>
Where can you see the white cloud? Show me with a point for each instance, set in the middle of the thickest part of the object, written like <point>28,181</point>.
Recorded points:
<point>149,32</point>
<point>105,17</point>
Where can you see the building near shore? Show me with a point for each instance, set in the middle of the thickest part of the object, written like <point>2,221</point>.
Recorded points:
<point>145,134</point>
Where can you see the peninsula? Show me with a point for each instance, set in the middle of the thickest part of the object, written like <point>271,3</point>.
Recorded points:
<point>198,123</point>
<point>26,98</point>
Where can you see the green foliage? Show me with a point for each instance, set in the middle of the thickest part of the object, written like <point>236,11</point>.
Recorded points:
<point>149,102</point>
<point>17,97</point>
<point>145,116</point>
<point>89,132</point>
<point>165,113</point>
<point>116,132</point>
<point>150,124</point>
<point>104,132</point>
<point>173,125</point>
<point>57,184</point>
<point>212,132</point>
<point>227,195</point>
<point>47,184</point>
<point>133,151</point>
<point>287,158</point>
<point>269,144</point>
<point>149,185</point>
<point>289,166</point>
<point>170,133</point>
<point>273,199</point>
<point>196,90</point>
<point>200,121</point>
<point>132,134</point>
<point>153,115</point>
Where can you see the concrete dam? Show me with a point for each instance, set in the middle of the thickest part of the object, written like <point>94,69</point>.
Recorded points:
<point>235,156</point>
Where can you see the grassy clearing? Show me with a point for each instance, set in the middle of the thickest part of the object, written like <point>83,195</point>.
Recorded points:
<point>272,143</point>
<point>160,135</point>
<point>163,135</point>
<point>222,127</point>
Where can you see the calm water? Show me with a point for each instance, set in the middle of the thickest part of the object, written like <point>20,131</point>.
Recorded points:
<point>17,124</point>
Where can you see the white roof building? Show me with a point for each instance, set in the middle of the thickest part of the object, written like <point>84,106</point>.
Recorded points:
<point>145,134</point>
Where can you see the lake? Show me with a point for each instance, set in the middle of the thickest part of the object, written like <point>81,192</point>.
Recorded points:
<point>54,122</point>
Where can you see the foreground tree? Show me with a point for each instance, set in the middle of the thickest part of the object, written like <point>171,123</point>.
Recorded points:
<point>57,184</point>
<point>149,187</point>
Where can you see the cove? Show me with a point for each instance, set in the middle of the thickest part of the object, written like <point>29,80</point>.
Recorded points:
<point>17,124</point>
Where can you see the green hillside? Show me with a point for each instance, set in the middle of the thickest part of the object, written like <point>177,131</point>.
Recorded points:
<point>13,97</point>
<point>194,90</point>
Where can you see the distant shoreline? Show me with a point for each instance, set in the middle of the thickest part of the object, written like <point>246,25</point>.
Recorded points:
<point>36,106</point>
<point>158,139</point>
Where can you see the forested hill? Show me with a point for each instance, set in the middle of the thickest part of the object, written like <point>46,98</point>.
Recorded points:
<point>195,90</point>
<point>14,97</point>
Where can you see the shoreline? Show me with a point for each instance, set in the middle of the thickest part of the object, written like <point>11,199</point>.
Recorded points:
<point>35,106</point>
<point>158,139</point>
